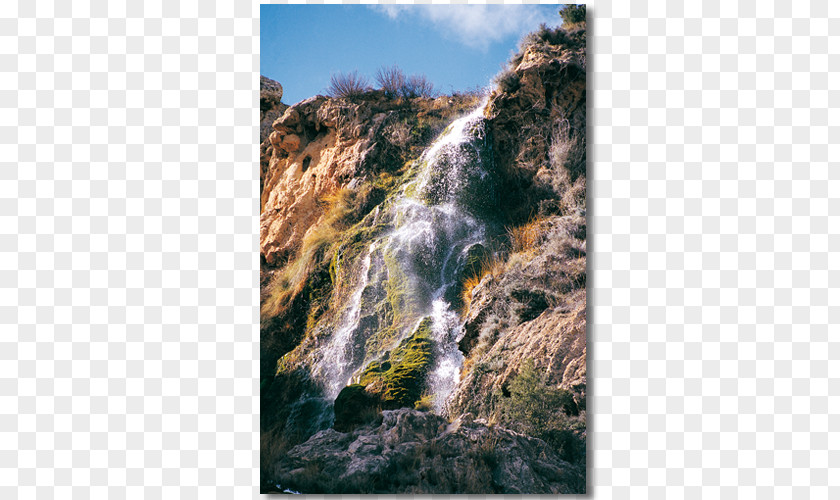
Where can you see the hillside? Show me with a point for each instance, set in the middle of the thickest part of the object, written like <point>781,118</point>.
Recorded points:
<point>423,285</point>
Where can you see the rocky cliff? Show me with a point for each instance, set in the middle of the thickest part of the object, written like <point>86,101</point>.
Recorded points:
<point>409,259</point>
<point>533,304</point>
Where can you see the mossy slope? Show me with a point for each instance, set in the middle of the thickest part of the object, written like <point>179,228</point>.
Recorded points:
<point>400,379</point>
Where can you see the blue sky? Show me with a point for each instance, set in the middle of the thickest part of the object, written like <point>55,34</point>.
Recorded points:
<point>456,46</point>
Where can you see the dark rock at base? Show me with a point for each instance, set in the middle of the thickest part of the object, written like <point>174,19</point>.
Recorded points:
<point>419,452</point>
<point>354,407</point>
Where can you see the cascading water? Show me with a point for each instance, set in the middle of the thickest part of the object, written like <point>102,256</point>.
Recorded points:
<point>334,359</point>
<point>437,221</point>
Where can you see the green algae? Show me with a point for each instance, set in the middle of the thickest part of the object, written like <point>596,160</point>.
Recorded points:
<point>400,379</point>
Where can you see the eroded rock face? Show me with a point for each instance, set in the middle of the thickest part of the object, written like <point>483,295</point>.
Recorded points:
<point>412,451</point>
<point>556,339</point>
<point>317,147</point>
<point>535,310</point>
<point>544,114</point>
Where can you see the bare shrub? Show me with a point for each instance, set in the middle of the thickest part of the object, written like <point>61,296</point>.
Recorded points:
<point>567,150</point>
<point>418,86</point>
<point>561,145</point>
<point>391,80</point>
<point>345,85</point>
<point>398,133</point>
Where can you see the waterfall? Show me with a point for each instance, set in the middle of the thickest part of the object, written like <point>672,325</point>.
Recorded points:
<point>418,263</point>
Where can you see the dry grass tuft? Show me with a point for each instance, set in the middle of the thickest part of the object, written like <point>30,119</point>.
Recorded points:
<point>493,266</point>
<point>291,280</point>
<point>524,238</point>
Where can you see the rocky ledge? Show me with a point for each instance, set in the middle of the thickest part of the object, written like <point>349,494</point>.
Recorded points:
<point>409,451</point>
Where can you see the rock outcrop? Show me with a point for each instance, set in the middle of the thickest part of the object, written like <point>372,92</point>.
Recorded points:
<point>412,451</point>
<point>538,125</point>
<point>270,106</point>
<point>317,147</point>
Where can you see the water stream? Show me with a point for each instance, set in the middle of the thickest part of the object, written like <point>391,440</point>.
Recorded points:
<point>437,220</point>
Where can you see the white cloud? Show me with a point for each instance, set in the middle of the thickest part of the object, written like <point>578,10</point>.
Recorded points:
<point>476,26</point>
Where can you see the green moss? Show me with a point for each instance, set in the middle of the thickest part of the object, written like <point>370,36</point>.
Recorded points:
<point>350,244</point>
<point>425,403</point>
<point>318,289</point>
<point>334,266</point>
<point>287,362</point>
<point>400,379</point>
<point>385,181</point>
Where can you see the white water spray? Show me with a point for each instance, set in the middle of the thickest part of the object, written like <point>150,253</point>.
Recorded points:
<point>336,359</point>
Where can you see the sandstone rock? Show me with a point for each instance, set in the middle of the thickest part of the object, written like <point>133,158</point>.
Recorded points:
<point>267,85</point>
<point>288,121</point>
<point>320,146</point>
<point>291,143</point>
<point>291,193</point>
